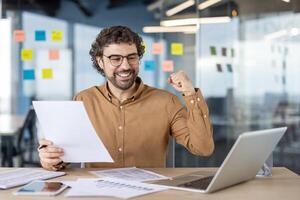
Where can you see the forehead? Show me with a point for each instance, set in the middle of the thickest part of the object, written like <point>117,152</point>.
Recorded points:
<point>120,49</point>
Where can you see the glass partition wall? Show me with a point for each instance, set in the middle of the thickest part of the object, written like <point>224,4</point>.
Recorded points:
<point>247,69</point>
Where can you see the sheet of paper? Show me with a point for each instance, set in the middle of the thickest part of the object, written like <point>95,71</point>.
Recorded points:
<point>130,174</point>
<point>112,187</point>
<point>67,124</point>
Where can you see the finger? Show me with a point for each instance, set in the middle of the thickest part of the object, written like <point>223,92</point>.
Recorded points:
<point>51,161</point>
<point>45,142</point>
<point>51,149</point>
<point>50,155</point>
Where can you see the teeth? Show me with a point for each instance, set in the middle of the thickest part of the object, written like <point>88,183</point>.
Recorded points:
<point>122,74</point>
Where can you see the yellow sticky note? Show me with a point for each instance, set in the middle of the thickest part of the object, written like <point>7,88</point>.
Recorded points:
<point>168,65</point>
<point>26,54</point>
<point>177,49</point>
<point>157,48</point>
<point>19,36</point>
<point>57,35</point>
<point>47,73</point>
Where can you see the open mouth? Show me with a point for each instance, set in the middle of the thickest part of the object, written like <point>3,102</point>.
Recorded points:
<point>125,75</point>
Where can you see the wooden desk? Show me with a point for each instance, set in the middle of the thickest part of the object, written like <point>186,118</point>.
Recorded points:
<point>284,184</point>
<point>9,125</point>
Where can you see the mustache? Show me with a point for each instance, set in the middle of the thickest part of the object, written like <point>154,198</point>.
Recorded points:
<point>125,71</point>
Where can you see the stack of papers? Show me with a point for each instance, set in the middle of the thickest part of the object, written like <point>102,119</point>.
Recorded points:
<point>130,174</point>
<point>111,187</point>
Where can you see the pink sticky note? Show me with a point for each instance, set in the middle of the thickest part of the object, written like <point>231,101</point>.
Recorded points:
<point>53,54</point>
<point>168,65</point>
<point>19,36</point>
<point>157,48</point>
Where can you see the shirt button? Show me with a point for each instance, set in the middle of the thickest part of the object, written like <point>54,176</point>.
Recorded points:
<point>192,101</point>
<point>204,116</point>
<point>198,99</point>
<point>120,127</point>
<point>120,149</point>
<point>121,107</point>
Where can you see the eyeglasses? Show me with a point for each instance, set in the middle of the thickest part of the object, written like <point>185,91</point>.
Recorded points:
<point>117,60</point>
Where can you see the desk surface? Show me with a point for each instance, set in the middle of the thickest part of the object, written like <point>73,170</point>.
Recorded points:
<point>284,184</point>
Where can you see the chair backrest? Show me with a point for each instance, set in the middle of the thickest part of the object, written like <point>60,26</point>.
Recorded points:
<point>27,146</point>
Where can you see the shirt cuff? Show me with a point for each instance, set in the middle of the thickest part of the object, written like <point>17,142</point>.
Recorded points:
<point>196,102</point>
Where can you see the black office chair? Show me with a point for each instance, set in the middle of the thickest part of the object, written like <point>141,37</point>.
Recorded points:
<point>23,142</point>
<point>27,142</point>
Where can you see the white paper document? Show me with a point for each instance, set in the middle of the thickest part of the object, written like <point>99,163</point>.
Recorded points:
<point>130,174</point>
<point>112,187</point>
<point>67,125</point>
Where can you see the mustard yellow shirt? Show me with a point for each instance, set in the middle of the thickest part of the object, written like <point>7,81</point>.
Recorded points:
<point>136,131</point>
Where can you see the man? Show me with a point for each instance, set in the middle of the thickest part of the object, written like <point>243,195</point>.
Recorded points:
<point>133,120</point>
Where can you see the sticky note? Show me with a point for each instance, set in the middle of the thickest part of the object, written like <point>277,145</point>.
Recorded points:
<point>224,51</point>
<point>26,54</point>
<point>19,36</point>
<point>149,65</point>
<point>57,35</point>
<point>177,49</point>
<point>168,65</point>
<point>53,54</point>
<point>47,73</point>
<point>219,68</point>
<point>213,51</point>
<point>157,48</point>
<point>229,67</point>
<point>40,35</point>
<point>28,74</point>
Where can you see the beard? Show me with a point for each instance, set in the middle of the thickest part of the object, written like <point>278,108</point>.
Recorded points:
<point>123,79</point>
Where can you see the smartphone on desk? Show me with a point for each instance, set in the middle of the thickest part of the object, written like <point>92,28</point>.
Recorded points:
<point>46,188</point>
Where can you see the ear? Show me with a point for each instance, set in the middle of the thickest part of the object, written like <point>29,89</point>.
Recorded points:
<point>99,61</point>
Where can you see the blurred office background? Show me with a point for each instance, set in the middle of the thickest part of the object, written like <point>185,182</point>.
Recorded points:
<point>242,54</point>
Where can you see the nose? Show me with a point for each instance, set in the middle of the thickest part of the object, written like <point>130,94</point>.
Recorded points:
<point>125,65</point>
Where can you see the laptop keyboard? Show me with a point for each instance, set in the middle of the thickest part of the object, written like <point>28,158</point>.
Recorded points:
<point>201,184</point>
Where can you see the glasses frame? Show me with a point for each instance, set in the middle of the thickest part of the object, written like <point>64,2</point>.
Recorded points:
<point>122,59</point>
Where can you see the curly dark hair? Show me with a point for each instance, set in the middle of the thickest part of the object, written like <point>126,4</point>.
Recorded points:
<point>114,35</point>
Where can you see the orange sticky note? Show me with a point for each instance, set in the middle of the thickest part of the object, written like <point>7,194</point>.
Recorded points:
<point>47,73</point>
<point>53,54</point>
<point>177,49</point>
<point>19,36</point>
<point>57,35</point>
<point>26,54</point>
<point>157,48</point>
<point>168,65</point>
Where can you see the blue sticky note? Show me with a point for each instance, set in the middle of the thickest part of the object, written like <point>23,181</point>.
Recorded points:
<point>28,74</point>
<point>149,65</point>
<point>40,35</point>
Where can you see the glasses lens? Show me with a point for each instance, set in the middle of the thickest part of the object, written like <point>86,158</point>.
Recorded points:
<point>116,60</point>
<point>133,59</point>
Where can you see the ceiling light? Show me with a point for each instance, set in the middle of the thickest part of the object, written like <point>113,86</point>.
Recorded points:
<point>193,21</point>
<point>180,7</point>
<point>164,29</point>
<point>287,1</point>
<point>207,4</point>
<point>276,35</point>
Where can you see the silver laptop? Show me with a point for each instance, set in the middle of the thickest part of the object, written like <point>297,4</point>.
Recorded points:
<point>242,163</point>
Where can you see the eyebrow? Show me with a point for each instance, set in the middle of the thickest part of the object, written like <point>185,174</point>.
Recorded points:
<point>131,54</point>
